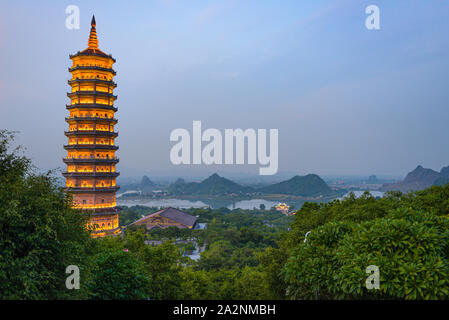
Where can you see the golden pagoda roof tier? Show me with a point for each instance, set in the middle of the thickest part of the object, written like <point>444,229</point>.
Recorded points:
<point>102,211</point>
<point>88,52</point>
<point>96,211</point>
<point>92,189</point>
<point>77,80</point>
<point>99,210</point>
<point>90,146</point>
<point>93,68</point>
<point>90,160</point>
<point>90,174</point>
<point>90,106</point>
<point>96,133</point>
<point>90,119</point>
<point>105,231</point>
<point>91,92</point>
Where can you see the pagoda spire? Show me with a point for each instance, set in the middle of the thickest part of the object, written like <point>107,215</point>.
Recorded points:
<point>93,41</point>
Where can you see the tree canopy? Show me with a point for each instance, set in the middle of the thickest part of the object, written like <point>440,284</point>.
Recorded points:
<point>245,254</point>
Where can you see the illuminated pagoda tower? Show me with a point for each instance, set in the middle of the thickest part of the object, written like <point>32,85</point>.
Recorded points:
<point>91,160</point>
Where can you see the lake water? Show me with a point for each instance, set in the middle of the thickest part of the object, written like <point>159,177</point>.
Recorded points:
<point>216,204</point>
<point>251,204</point>
<point>200,203</point>
<point>175,203</point>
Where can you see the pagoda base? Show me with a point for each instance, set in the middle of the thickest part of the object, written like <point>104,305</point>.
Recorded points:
<point>106,233</point>
<point>104,222</point>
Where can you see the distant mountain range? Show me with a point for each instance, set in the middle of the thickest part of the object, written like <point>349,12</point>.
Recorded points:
<point>419,179</point>
<point>213,185</point>
<point>444,177</point>
<point>372,179</point>
<point>310,185</point>
<point>145,186</point>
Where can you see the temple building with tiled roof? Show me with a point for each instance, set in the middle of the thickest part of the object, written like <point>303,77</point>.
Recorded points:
<point>168,217</point>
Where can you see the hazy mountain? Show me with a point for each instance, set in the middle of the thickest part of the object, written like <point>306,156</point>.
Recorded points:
<point>179,181</point>
<point>145,185</point>
<point>146,182</point>
<point>418,179</point>
<point>444,173</point>
<point>441,181</point>
<point>213,185</point>
<point>372,179</point>
<point>310,185</point>
<point>444,177</point>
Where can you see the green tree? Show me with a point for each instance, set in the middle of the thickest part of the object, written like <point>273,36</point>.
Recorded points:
<point>272,260</point>
<point>410,247</point>
<point>162,264</point>
<point>40,235</point>
<point>217,256</point>
<point>251,284</point>
<point>118,275</point>
<point>196,285</point>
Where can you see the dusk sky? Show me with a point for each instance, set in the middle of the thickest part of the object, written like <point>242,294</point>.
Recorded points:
<point>346,100</point>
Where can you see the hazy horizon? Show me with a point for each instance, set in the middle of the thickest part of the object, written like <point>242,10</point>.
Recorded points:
<point>346,100</point>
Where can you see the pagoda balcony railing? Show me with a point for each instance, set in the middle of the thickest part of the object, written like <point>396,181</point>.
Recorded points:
<point>104,207</point>
<point>91,174</point>
<point>92,68</point>
<point>76,118</point>
<point>91,132</point>
<point>89,53</point>
<point>104,230</point>
<point>93,189</point>
<point>91,106</point>
<point>91,159</point>
<point>96,80</point>
<point>91,146</point>
<point>105,210</point>
<point>92,92</point>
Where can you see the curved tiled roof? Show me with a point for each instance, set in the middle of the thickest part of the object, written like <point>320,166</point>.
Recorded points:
<point>179,216</point>
<point>172,214</point>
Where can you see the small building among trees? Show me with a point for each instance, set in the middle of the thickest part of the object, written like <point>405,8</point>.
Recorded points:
<point>165,218</point>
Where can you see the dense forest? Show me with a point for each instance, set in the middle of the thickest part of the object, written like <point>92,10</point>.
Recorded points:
<point>257,254</point>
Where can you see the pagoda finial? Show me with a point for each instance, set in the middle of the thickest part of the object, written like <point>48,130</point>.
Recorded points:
<point>93,41</point>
